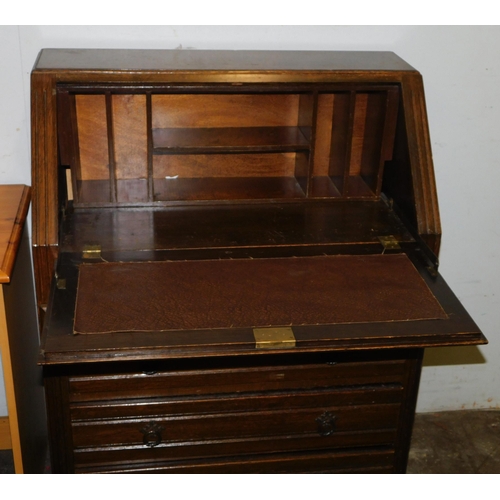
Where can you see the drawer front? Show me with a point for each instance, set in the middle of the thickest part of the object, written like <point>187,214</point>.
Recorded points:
<point>267,378</point>
<point>238,425</point>
<point>176,421</point>
<point>324,421</point>
<point>215,403</point>
<point>354,462</point>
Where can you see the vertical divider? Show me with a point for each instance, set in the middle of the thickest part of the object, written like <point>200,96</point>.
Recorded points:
<point>341,142</point>
<point>349,140</point>
<point>149,125</point>
<point>76,169</point>
<point>303,160</point>
<point>67,139</point>
<point>389,133</point>
<point>372,138</point>
<point>111,148</point>
<point>311,137</point>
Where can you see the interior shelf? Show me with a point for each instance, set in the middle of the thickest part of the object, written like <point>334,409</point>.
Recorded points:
<point>229,140</point>
<point>135,191</point>
<point>227,188</point>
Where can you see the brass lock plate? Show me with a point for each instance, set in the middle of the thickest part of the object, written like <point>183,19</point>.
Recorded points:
<point>274,338</point>
<point>389,242</point>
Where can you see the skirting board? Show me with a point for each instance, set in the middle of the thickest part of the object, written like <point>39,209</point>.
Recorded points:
<point>5,443</point>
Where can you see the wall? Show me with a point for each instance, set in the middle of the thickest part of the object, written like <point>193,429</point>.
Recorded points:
<point>461,69</point>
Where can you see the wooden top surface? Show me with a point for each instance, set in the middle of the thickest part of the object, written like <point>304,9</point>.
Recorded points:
<point>14,203</point>
<point>217,60</point>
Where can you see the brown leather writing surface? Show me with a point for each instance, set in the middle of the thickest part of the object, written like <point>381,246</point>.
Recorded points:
<point>190,295</point>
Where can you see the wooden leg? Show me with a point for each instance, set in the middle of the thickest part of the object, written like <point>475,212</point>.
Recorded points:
<point>5,442</point>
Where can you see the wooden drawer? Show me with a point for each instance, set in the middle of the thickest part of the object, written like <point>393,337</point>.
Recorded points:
<point>358,462</point>
<point>189,428</point>
<point>216,403</point>
<point>175,420</point>
<point>231,380</point>
<point>223,426</point>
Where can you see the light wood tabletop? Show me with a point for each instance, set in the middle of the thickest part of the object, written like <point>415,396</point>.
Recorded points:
<point>14,204</point>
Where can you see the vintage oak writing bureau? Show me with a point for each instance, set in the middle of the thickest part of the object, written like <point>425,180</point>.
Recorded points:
<point>236,259</point>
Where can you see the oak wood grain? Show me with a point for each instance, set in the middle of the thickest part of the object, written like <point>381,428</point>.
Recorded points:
<point>224,110</point>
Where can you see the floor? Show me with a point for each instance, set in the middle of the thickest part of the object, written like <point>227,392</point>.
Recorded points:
<point>454,442</point>
<point>6,462</point>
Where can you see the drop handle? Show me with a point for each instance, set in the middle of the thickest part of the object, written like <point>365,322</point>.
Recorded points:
<point>152,434</point>
<point>326,423</point>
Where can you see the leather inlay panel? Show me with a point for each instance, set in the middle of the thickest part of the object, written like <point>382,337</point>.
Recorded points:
<point>190,295</point>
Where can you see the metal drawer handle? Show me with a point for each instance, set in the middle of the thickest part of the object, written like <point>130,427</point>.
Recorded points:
<point>326,423</point>
<point>152,434</point>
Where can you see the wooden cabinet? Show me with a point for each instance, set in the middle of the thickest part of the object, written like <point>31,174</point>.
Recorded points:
<point>245,248</point>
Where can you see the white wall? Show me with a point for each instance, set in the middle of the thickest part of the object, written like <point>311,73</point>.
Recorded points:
<point>461,69</point>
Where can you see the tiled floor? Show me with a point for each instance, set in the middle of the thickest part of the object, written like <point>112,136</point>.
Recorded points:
<point>455,442</point>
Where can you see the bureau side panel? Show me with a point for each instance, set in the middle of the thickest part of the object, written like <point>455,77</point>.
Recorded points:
<point>59,423</point>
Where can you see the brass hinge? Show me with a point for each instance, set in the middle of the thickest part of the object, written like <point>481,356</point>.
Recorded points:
<point>389,242</point>
<point>274,338</point>
<point>91,251</point>
<point>60,282</point>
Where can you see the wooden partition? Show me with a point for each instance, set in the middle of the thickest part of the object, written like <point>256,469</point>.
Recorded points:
<point>354,138</point>
<point>146,148</point>
<point>158,147</point>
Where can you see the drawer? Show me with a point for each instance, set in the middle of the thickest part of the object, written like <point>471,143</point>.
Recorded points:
<point>356,462</point>
<point>170,429</point>
<point>134,431</point>
<point>220,403</point>
<point>180,420</point>
<point>234,380</point>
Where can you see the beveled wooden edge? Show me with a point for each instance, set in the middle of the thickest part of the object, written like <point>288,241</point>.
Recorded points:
<point>15,237</point>
<point>227,76</point>
<point>44,161</point>
<point>422,167</point>
<point>218,60</point>
<point>54,358</point>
